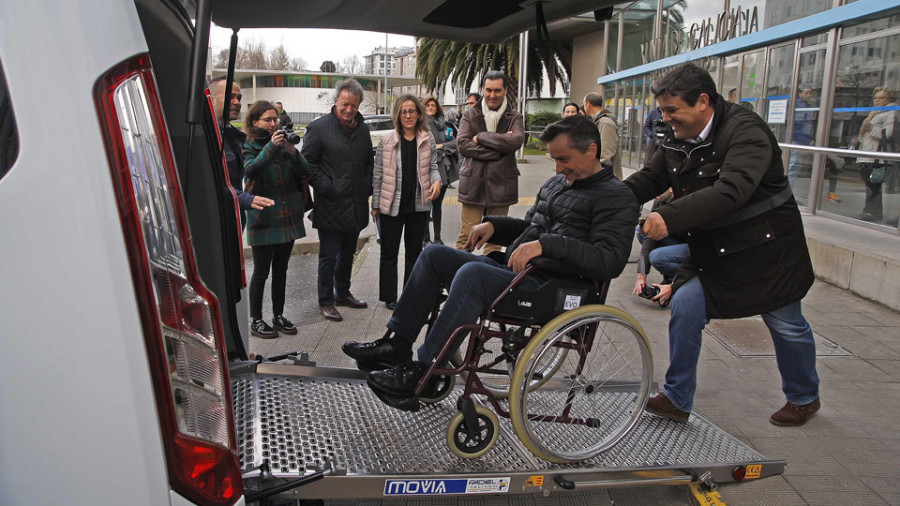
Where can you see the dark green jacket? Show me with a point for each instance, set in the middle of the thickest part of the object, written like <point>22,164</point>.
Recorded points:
<point>270,172</point>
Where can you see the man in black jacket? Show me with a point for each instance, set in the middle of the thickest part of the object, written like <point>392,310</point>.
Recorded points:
<point>583,217</point>
<point>339,151</point>
<point>748,253</point>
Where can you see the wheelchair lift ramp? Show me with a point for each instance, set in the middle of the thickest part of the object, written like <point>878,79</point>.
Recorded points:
<point>301,418</point>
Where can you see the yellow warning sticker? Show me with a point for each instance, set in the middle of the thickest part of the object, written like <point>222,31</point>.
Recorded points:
<point>534,481</point>
<point>753,471</point>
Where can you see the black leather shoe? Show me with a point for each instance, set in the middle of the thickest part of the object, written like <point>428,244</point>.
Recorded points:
<point>261,329</point>
<point>350,301</point>
<point>399,381</point>
<point>402,402</point>
<point>376,355</point>
<point>390,305</point>
<point>282,324</point>
<point>330,313</point>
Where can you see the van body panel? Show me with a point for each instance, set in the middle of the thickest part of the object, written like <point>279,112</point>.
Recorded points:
<point>78,421</point>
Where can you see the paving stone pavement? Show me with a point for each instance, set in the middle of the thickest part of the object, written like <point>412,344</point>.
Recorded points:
<point>849,453</point>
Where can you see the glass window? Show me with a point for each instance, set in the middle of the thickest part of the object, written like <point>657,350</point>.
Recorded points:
<point>752,80</point>
<point>865,117</point>
<point>781,73</point>
<point>730,78</point>
<point>870,26</point>
<point>9,133</point>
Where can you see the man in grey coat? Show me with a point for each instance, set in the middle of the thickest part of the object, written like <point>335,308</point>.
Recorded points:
<point>490,132</point>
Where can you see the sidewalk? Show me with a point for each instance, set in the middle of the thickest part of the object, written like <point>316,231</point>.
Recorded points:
<point>849,453</point>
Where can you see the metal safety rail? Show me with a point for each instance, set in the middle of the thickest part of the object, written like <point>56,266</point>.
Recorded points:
<point>293,420</point>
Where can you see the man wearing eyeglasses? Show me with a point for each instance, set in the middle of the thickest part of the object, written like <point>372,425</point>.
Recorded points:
<point>490,132</point>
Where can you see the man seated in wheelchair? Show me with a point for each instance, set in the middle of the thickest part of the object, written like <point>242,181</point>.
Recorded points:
<point>583,217</point>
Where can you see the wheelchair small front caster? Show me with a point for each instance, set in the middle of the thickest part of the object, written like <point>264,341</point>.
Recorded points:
<point>468,444</point>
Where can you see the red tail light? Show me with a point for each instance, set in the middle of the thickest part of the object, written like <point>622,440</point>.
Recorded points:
<point>180,316</point>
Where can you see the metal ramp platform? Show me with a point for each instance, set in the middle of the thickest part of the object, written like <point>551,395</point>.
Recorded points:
<point>300,418</point>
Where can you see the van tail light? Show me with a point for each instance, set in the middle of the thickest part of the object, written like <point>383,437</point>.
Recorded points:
<point>180,316</point>
<point>237,210</point>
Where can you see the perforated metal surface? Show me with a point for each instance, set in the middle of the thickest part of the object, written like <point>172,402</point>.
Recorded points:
<point>297,422</point>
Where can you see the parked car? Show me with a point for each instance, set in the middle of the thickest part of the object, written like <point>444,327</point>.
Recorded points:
<point>379,124</point>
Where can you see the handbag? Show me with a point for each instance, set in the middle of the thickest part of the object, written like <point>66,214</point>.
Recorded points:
<point>307,195</point>
<point>879,169</point>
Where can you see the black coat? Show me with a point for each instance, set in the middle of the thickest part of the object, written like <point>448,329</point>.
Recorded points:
<point>589,225</point>
<point>757,264</point>
<point>340,173</point>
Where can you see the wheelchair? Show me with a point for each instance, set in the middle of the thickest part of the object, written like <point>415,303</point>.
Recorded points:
<point>572,374</point>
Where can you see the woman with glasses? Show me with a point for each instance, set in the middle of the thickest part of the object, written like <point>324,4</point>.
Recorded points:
<point>404,182</point>
<point>444,133</point>
<point>273,168</point>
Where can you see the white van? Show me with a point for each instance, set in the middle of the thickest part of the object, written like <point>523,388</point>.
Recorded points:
<point>121,264</point>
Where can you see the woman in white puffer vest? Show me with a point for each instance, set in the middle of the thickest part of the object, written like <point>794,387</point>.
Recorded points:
<point>404,182</point>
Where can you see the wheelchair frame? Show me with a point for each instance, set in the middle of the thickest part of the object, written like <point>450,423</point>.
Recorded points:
<point>477,425</point>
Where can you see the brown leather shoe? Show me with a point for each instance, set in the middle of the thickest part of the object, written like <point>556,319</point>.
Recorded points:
<point>792,415</point>
<point>660,405</point>
<point>331,313</point>
<point>350,301</point>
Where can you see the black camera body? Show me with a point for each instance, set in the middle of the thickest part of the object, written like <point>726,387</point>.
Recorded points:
<point>290,135</point>
<point>649,291</point>
<point>660,129</point>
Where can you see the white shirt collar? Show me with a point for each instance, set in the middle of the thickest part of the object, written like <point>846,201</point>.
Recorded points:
<point>705,133</point>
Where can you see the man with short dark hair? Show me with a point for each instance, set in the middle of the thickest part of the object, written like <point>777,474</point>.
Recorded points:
<point>284,119</point>
<point>490,132</point>
<point>472,99</point>
<point>583,217</point>
<point>748,253</point>
<point>609,130</point>
<point>341,160</point>
<point>233,146</point>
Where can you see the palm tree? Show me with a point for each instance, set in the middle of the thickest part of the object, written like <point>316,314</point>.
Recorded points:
<point>439,61</point>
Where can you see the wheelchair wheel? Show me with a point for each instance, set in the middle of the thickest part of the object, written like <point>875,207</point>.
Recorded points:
<point>443,388</point>
<point>599,389</point>
<point>498,384</point>
<point>467,446</point>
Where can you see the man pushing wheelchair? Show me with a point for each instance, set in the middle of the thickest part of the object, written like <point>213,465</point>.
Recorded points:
<point>583,217</point>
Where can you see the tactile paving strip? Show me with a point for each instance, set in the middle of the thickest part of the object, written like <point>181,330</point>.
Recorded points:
<point>299,422</point>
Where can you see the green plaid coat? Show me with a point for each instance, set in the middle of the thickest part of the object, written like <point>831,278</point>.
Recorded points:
<point>270,172</point>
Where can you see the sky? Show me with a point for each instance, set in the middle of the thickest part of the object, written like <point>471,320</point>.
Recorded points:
<point>313,45</point>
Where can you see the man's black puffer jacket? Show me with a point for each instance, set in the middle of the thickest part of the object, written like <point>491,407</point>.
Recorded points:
<point>589,225</point>
<point>340,173</point>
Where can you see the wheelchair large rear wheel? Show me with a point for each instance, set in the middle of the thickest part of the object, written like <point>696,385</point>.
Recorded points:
<point>598,391</point>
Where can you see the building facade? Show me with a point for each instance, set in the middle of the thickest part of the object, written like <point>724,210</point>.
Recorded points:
<point>813,69</point>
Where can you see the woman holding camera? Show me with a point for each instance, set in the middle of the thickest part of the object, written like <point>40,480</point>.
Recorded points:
<point>273,168</point>
<point>404,182</point>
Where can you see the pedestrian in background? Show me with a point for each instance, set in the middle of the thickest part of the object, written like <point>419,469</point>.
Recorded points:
<point>284,119</point>
<point>339,150</point>
<point>404,182</point>
<point>445,139</point>
<point>605,120</point>
<point>233,146</point>
<point>876,134</point>
<point>654,128</point>
<point>490,132</point>
<point>571,109</point>
<point>273,169</point>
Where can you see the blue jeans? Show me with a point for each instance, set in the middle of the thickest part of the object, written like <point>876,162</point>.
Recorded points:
<point>474,281</point>
<point>795,349</point>
<point>667,259</point>
<point>797,161</point>
<point>336,250</point>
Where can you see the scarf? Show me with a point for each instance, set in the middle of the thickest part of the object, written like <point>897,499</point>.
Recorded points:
<point>491,118</point>
<point>349,126</point>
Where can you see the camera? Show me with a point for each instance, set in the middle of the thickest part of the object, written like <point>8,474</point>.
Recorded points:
<point>290,135</point>
<point>648,292</point>
<point>660,129</point>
